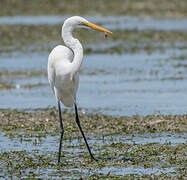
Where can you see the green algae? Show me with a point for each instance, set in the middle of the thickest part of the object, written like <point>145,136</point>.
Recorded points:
<point>5,86</point>
<point>111,154</point>
<point>156,8</point>
<point>44,38</point>
<point>47,121</point>
<point>40,164</point>
<point>22,74</point>
<point>25,126</point>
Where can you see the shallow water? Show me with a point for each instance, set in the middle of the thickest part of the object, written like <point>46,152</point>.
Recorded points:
<point>111,22</point>
<point>49,144</point>
<point>133,83</point>
<point>119,171</point>
<point>126,84</point>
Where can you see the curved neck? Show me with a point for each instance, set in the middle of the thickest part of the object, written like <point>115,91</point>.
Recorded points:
<point>75,46</point>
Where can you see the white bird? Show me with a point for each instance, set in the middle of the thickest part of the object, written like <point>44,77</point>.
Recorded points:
<point>64,64</point>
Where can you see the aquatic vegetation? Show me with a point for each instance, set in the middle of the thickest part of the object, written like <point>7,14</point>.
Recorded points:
<point>158,8</point>
<point>45,37</point>
<point>120,155</point>
<point>128,147</point>
<point>46,121</point>
<point>4,85</point>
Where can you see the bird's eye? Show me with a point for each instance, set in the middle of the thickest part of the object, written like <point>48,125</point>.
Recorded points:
<point>82,24</point>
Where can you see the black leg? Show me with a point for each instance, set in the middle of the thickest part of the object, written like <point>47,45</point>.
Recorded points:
<point>61,130</point>
<point>78,123</point>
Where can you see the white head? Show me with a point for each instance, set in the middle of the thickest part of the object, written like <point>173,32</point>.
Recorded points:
<point>77,21</point>
<point>74,44</point>
<point>73,22</point>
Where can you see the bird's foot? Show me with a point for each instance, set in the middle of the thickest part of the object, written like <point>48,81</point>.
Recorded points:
<point>94,159</point>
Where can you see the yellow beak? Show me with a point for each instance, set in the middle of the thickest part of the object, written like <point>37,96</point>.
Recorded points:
<point>93,26</point>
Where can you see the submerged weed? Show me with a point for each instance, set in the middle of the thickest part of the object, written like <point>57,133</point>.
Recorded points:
<point>116,159</point>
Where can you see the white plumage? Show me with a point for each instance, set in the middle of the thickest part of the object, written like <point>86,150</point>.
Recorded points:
<point>62,81</point>
<point>64,63</point>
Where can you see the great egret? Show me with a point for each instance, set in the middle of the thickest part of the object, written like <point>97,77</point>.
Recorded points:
<point>64,63</point>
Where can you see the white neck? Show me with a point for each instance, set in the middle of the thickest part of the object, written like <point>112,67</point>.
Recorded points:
<point>75,46</point>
